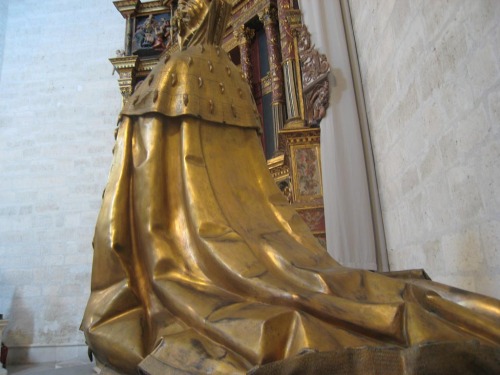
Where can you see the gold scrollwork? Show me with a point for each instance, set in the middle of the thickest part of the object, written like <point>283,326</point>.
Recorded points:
<point>244,34</point>
<point>268,15</point>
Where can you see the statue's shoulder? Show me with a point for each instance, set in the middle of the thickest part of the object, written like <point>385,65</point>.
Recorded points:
<point>200,81</point>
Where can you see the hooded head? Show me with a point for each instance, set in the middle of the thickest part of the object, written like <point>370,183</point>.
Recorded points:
<point>201,21</point>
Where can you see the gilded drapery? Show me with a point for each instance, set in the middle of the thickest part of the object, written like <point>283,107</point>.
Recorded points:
<point>201,265</point>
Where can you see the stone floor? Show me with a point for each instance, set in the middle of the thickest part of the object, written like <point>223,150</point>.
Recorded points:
<point>64,368</point>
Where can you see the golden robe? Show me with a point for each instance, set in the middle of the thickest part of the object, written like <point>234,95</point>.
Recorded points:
<point>201,266</point>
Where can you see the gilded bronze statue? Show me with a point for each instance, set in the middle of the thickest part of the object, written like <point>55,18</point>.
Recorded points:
<point>201,265</point>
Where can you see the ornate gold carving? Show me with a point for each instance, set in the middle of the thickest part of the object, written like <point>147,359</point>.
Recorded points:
<point>294,17</point>
<point>281,174</point>
<point>244,34</point>
<point>268,15</point>
<point>265,83</point>
<point>279,170</point>
<point>302,153</point>
<point>301,136</point>
<point>301,182</point>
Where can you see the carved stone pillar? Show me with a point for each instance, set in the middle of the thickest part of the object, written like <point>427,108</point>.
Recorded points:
<point>244,36</point>
<point>291,65</point>
<point>269,18</point>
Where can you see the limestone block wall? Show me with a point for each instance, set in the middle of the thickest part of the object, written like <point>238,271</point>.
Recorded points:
<point>3,24</point>
<point>58,108</point>
<point>431,75</point>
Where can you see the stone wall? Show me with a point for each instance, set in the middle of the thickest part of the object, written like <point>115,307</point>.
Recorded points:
<point>431,74</point>
<point>58,108</point>
<point>3,24</point>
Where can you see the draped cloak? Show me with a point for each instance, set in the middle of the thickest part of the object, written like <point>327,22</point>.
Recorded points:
<point>201,265</point>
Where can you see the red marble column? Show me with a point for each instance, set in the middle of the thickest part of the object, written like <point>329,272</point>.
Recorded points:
<point>287,50</point>
<point>269,18</point>
<point>244,37</point>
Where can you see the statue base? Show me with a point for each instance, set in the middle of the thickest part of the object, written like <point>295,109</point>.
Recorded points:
<point>457,358</point>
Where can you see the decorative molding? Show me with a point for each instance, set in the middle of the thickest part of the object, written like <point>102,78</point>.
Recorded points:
<point>135,8</point>
<point>126,7</point>
<point>244,34</point>
<point>301,136</point>
<point>278,169</point>
<point>265,83</point>
<point>126,66</point>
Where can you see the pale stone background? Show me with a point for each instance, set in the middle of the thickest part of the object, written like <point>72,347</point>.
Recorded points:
<point>431,75</point>
<point>58,108</point>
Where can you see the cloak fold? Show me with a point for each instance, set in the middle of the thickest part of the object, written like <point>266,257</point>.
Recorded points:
<point>201,266</point>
